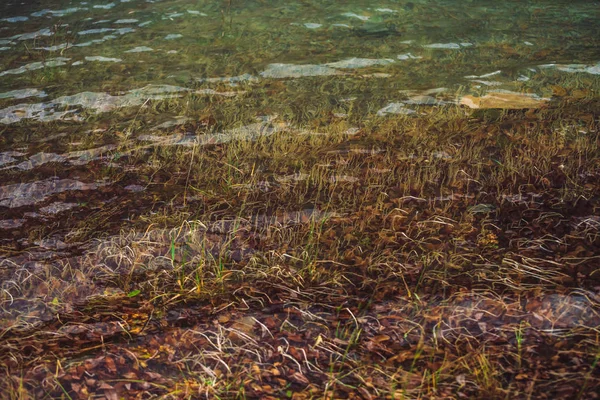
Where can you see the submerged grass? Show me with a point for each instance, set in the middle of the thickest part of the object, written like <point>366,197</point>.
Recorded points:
<point>446,254</point>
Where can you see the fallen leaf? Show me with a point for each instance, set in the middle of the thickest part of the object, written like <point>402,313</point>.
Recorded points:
<point>105,386</point>
<point>298,377</point>
<point>224,318</point>
<point>111,394</point>
<point>109,362</point>
<point>381,338</point>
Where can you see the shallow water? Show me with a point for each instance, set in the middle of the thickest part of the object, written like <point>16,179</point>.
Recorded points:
<point>78,78</point>
<point>181,168</point>
<point>98,56</point>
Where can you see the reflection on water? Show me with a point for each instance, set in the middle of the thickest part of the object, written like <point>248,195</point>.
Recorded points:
<point>23,194</point>
<point>53,62</point>
<point>140,73</point>
<point>184,155</point>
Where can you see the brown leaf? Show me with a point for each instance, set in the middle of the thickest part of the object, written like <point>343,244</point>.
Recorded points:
<point>267,389</point>
<point>105,386</point>
<point>270,323</point>
<point>400,357</point>
<point>130,375</point>
<point>242,329</point>
<point>295,337</point>
<point>224,318</point>
<point>298,377</point>
<point>92,363</point>
<point>111,394</point>
<point>295,353</point>
<point>364,393</point>
<point>245,325</point>
<point>257,388</point>
<point>76,387</point>
<point>109,362</point>
<point>152,376</point>
<point>340,341</point>
<point>381,338</point>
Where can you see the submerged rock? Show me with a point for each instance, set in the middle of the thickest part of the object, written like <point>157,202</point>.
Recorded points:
<point>449,46</point>
<point>352,63</point>
<point>376,29</point>
<point>395,108</point>
<point>297,71</point>
<point>503,100</point>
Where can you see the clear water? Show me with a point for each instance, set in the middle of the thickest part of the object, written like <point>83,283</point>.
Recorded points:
<point>60,59</point>
<point>97,97</point>
<point>79,78</point>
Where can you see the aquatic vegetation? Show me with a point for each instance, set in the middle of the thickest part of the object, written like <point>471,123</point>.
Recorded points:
<point>299,200</point>
<point>346,243</point>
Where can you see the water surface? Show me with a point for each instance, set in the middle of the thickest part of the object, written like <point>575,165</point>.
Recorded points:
<point>82,81</point>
